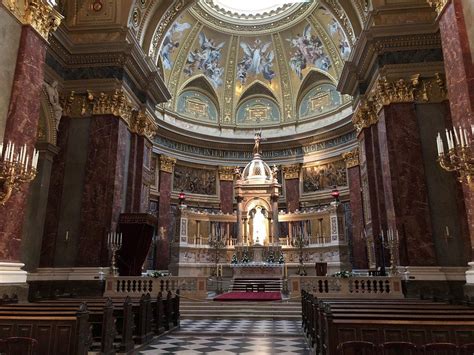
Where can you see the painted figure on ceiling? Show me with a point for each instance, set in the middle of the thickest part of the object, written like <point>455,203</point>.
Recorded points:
<point>309,50</point>
<point>170,42</point>
<point>258,59</point>
<point>206,59</point>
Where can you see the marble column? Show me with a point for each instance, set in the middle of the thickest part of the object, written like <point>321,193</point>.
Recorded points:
<point>103,192</point>
<point>406,193</point>
<point>458,51</point>
<point>36,207</point>
<point>369,165</point>
<point>164,212</point>
<point>275,224</point>
<point>291,175</point>
<point>240,223</point>
<point>139,175</point>
<point>359,247</point>
<point>20,128</point>
<point>226,183</point>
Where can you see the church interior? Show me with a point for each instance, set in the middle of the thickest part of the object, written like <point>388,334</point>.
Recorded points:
<point>228,177</point>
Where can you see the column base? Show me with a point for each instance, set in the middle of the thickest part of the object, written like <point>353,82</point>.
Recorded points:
<point>11,273</point>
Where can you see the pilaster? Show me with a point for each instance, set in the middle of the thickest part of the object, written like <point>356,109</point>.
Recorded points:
<point>291,175</point>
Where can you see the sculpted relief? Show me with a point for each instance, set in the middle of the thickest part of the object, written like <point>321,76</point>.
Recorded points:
<point>325,176</point>
<point>193,180</point>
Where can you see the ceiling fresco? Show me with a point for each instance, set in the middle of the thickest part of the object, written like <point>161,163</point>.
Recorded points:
<point>270,68</point>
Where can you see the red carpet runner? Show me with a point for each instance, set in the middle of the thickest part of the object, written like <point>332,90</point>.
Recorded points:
<point>249,296</point>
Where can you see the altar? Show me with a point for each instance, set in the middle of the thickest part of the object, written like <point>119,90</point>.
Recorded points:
<point>258,270</point>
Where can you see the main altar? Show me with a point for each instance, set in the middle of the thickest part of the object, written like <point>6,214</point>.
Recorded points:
<point>258,239</point>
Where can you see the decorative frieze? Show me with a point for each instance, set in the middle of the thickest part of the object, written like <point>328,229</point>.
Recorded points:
<point>226,173</point>
<point>389,91</point>
<point>351,158</point>
<point>38,14</point>
<point>167,164</point>
<point>291,171</point>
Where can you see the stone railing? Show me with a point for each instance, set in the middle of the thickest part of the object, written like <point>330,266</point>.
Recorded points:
<point>357,287</point>
<point>135,286</point>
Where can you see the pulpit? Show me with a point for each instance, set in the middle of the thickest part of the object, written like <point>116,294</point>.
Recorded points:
<point>137,231</point>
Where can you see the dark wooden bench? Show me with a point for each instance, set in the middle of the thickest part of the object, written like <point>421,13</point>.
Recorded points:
<point>64,332</point>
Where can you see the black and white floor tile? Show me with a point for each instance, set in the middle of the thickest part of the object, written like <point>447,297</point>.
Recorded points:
<point>222,337</point>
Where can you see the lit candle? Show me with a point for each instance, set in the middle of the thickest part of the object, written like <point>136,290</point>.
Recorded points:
<point>383,239</point>
<point>456,136</point>
<point>1,150</point>
<point>466,141</point>
<point>462,137</point>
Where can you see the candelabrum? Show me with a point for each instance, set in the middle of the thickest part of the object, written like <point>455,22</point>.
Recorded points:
<point>459,156</point>
<point>392,244</point>
<point>300,242</point>
<point>217,244</point>
<point>114,244</point>
<point>16,167</point>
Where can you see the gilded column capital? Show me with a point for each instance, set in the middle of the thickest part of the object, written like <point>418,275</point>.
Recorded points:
<point>438,5</point>
<point>351,158</point>
<point>291,171</point>
<point>36,13</point>
<point>167,163</point>
<point>387,91</point>
<point>226,173</point>
<point>114,103</point>
<point>143,124</point>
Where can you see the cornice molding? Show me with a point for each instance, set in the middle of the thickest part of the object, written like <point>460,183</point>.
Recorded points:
<point>226,173</point>
<point>41,16</point>
<point>143,124</point>
<point>351,158</point>
<point>387,91</point>
<point>291,171</point>
<point>167,164</point>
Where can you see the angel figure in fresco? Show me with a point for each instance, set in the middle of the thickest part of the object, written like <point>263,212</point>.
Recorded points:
<point>309,50</point>
<point>206,59</point>
<point>257,59</point>
<point>169,44</point>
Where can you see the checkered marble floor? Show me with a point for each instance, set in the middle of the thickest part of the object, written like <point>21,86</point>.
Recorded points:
<point>222,337</point>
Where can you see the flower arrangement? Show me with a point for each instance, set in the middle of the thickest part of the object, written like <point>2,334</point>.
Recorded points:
<point>281,259</point>
<point>343,274</point>
<point>234,259</point>
<point>156,274</point>
<point>271,258</point>
<point>245,257</point>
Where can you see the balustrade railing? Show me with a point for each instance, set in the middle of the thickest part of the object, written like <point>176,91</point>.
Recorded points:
<point>376,287</point>
<point>135,286</point>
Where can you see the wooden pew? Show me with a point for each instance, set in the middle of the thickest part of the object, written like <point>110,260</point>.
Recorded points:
<point>65,332</point>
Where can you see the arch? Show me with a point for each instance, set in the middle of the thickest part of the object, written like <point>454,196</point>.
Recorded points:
<point>256,88</point>
<point>47,124</point>
<point>312,78</point>
<point>201,83</point>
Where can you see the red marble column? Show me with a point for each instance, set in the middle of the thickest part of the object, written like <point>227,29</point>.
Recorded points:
<point>226,190</point>
<point>459,70</point>
<point>359,248</point>
<point>406,194</point>
<point>138,175</point>
<point>164,212</point>
<point>291,175</point>
<point>21,127</point>
<point>102,198</point>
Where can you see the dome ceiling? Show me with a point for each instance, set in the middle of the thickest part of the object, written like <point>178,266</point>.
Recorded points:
<point>220,72</point>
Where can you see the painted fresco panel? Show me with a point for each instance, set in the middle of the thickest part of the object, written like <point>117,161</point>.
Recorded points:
<point>319,100</point>
<point>196,105</point>
<point>322,177</point>
<point>256,60</point>
<point>194,180</point>
<point>258,110</point>
<point>334,29</point>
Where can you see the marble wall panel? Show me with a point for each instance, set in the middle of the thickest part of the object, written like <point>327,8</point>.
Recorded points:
<point>292,193</point>
<point>406,194</point>
<point>21,128</point>
<point>226,196</point>
<point>103,192</point>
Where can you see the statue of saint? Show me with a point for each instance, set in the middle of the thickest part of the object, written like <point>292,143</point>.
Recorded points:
<point>53,96</point>
<point>256,148</point>
<point>259,228</point>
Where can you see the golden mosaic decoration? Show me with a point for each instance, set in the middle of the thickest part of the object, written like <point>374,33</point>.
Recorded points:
<point>351,158</point>
<point>143,124</point>
<point>41,16</point>
<point>438,5</point>
<point>291,171</point>
<point>167,164</point>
